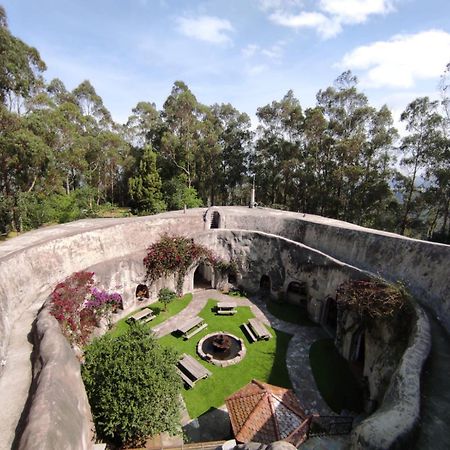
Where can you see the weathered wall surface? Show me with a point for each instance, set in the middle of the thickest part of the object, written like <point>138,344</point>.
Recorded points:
<point>422,266</point>
<point>283,261</point>
<point>39,266</point>
<point>391,425</point>
<point>60,415</point>
<point>31,265</point>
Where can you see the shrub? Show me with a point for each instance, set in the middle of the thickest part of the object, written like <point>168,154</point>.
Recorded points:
<point>165,296</point>
<point>132,386</point>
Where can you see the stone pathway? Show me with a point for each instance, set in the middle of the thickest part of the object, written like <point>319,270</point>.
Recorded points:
<point>297,359</point>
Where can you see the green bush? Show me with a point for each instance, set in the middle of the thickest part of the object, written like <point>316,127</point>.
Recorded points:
<point>132,386</point>
<point>165,296</point>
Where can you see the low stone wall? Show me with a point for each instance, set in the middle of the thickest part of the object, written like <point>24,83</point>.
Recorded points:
<point>392,424</point>
<point>59,415</point>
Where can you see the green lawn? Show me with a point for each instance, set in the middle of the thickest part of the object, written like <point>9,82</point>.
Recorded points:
<point>158,308</point>
<point>290,313</point>
<point>333,376</point>
<point>265,361</point>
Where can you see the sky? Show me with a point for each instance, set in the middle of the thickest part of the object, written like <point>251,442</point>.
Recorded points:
<point>244,52</point>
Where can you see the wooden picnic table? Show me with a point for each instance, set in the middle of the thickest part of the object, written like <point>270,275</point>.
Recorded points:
<point>259,329</point>
<point>191,370</point>
<point>144,315</point>
<point>192,326</point>
<point>226,308</point>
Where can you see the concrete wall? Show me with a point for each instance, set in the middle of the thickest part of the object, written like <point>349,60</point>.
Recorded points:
<point>31,265</point>
<point>422,266</point>
<point>60,415</point>
<point>34,269</point>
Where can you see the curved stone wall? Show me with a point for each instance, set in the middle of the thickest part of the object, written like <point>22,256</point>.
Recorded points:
<point>391,425</point>
<point>59,415</point>
<point>31,265</point>
<point>421,266</point>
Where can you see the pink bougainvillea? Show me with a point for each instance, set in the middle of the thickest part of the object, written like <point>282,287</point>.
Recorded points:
<point>79,306</point>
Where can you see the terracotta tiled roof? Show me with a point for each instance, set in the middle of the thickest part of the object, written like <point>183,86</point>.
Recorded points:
<point>261,412</point>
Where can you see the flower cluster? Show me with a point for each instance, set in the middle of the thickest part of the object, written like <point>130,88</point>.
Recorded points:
<point>174,255</point>
<point>79,306</point>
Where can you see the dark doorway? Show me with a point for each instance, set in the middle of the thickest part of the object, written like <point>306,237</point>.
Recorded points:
<point>202,277</point>
<point>142,292</point>
<point>215,220</point>
<point>297,294</point>
<point>264,284</point>
<point>232,279</point>
<point>330,317</point>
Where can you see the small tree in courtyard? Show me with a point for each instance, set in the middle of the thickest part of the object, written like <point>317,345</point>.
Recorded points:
<point>132,386</point>
<point>165,296</point>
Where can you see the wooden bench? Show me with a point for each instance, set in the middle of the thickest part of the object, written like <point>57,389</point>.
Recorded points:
<point>226,308</point>
<point>192,326</point>
<point>258,329</point>
<point>189,383</point>
<point>144,315</point>
<point>252,337</point>
<point>190,370</point>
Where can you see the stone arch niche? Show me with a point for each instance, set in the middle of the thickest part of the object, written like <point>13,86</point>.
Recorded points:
<point>215,220</point>
<point>142,292</point>
<point>203,276</point>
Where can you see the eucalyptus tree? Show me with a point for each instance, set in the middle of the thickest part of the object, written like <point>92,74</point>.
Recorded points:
<point>234,138</point>
<point>277,149</point>
<point>361,140</point>
<point>423,123</point>
<point>21,68</point>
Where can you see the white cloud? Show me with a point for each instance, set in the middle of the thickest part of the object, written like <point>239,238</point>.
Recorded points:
<point>328,17</point>
<point>355,11</point>
<point>250,50</point>
<point>205,28</point>
<point>273,53</point>
<point>402,60</point>
<point>324,25</point>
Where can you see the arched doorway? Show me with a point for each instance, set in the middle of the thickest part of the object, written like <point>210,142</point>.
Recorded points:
<point>203,276</point>
<point>215,219</point>
<point>297,294</point>
<point>232,279</point>
<point>142,292</point>
<point>330,315</point>
<point>265,285</point>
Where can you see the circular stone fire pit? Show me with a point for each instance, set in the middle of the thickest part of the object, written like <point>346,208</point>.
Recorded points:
<point>221,348</point>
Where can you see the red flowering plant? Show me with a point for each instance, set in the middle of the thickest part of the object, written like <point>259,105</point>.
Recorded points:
<point>175,254</point>
<point>78,306</point>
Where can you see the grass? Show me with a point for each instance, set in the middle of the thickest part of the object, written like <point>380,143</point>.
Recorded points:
<point>290,313</point>
<point>158,308</point>
<point>337,384</point>
<point>265,361</point>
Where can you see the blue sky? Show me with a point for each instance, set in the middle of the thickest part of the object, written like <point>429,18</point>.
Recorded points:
<point>246,52</point>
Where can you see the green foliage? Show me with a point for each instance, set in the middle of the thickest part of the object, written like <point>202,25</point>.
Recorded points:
<point>145,187</point>
<point>166,296</point>
<point>132,387</point>
<point>178,195</point>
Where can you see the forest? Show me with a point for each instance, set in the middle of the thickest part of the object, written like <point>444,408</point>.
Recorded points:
<point>63,157</point>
